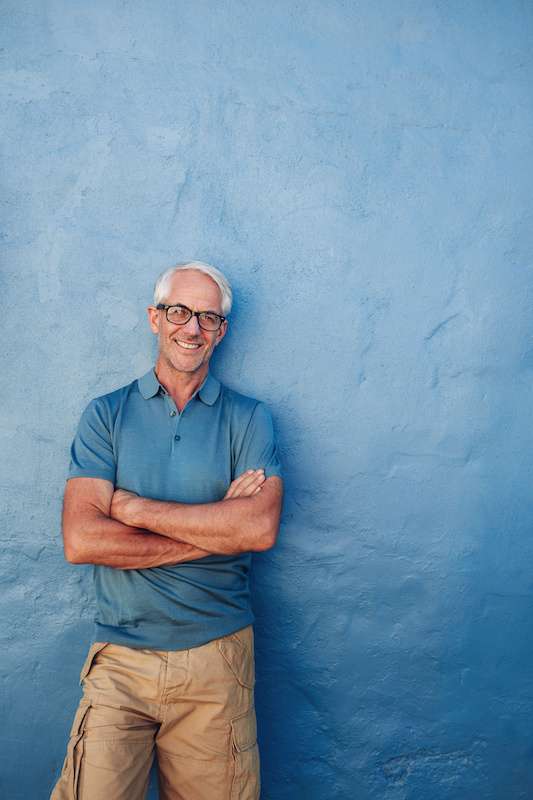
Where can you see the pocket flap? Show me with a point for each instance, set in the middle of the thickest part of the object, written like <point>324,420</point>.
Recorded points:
<point>239,660</point>
<point>79,717</point>
<point>244,730</point>
<point>94,649</point>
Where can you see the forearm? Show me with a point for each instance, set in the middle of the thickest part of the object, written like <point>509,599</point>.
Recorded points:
<point>104,541</point>
<point>228,526</point>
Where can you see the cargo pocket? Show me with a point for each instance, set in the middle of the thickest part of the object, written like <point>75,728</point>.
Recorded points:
<point>246,784</point>
<point>239,659</point>
<point>93,652</point>
<point>67,785</point>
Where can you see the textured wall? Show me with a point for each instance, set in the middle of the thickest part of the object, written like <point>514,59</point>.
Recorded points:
<point>362,172</point>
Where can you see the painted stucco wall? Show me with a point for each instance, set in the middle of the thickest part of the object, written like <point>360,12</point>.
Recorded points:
<point>362,172</point>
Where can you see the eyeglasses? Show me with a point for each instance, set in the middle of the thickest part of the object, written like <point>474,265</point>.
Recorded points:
<point>180,315</point>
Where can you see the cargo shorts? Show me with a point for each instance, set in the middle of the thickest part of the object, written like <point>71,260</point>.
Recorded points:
<point>195,708</point>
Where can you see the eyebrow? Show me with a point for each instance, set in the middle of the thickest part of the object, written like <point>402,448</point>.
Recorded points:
<point>203,311</point>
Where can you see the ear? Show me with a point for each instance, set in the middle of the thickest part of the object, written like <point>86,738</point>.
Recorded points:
<point>154,318</point>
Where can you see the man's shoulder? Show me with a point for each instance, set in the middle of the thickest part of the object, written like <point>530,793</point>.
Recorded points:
<point>113,399</point>
<point>245,410</point>
<point>239,402</point>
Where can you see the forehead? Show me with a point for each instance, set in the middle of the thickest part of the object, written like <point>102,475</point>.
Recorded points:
<point>195,289</point>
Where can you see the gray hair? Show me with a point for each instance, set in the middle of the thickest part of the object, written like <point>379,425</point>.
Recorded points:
<point>162,284</point>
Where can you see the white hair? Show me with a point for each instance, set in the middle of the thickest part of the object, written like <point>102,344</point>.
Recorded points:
<point>162,284</point>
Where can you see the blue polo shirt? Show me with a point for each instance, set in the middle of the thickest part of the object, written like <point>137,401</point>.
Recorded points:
<point>136,438</point>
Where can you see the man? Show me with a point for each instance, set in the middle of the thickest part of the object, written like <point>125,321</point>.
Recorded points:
<point>174,479</point>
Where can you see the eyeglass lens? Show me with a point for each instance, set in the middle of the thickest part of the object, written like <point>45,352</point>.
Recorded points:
<point>179,315</point>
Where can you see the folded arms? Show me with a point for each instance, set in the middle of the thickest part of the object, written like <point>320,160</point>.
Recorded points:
<point>122,530</point>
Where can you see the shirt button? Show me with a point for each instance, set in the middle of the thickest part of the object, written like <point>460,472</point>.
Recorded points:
<point>177,438</point>
<point>172,413</point>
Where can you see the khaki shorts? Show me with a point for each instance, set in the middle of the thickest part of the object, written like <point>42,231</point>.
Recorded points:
<point>196,707</point>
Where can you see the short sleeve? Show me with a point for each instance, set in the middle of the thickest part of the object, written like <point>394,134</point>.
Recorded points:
<point>259,446</point>
<point>91,452</point>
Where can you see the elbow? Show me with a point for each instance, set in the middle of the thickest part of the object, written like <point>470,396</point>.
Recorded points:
<point>72,547</point>
<point>264,544</point>
<point>267,537</point>
<point>72,556</point>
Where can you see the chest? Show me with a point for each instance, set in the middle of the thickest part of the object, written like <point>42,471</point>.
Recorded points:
<point>181,457</point>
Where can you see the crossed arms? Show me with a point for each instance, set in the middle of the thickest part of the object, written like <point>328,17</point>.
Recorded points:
<point>119,529</point>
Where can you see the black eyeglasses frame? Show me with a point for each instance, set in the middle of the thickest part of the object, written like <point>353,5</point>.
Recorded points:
<point>163,307</point>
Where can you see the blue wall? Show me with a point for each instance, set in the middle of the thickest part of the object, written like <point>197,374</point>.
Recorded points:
<point>362,171</point>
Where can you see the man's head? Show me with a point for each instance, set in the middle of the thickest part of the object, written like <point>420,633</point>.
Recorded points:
<point>198,287</point>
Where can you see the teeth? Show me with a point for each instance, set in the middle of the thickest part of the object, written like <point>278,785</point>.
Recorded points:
<point>188,346</point>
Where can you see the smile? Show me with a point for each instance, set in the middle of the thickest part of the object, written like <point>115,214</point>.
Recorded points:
<point>187,345</point>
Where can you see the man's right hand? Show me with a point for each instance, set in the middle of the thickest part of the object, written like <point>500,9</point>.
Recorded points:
<point>247,484</point>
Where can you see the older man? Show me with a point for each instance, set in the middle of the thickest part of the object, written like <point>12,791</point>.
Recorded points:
<point>174,479</point>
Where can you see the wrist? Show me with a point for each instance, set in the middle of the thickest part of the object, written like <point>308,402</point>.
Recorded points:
<point>135,512</point>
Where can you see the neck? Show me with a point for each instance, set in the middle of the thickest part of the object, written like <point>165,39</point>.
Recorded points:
<point>180,385</point>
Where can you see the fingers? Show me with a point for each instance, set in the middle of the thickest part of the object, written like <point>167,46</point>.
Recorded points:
<point>246,484</point>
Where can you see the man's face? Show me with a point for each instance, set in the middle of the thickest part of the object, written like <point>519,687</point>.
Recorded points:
<point>199,292</point>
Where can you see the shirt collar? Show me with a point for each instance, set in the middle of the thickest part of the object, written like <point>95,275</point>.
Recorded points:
<point>149,386</point>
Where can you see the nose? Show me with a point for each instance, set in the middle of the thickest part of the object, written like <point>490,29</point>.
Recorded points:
<point>192,326</point>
